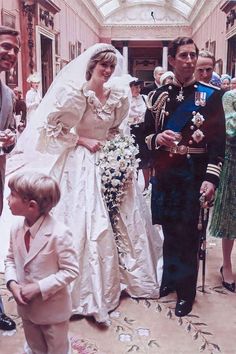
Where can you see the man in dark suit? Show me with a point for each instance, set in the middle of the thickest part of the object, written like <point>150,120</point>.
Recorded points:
<point>185,131</point>
<point>20,110</point>
<point>9,48</point>
<point>205,66</point>
<point>158,71</point>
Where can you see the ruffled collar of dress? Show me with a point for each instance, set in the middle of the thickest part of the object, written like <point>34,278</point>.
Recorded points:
<point>103,110</point>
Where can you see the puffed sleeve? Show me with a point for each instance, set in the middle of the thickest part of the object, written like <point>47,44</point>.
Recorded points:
<point>120,103</point>
<point>229,104</point>
<point>58,133</point>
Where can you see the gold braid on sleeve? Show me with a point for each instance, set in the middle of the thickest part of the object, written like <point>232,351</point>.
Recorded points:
<point>158,107</point>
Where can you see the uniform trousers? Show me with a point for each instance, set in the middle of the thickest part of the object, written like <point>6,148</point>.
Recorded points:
<point>47,339</point>
<point>175,205</point>
<point>180,259</point>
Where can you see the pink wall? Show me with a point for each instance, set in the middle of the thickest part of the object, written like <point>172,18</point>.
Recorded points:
<point>213,29</point>
<point>75,24</point>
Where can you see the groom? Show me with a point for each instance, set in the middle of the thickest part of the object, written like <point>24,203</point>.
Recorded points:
<point>9,48</point>
<point>193,111</point>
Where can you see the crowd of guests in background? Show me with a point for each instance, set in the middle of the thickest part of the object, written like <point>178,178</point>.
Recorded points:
<point>204,72</point>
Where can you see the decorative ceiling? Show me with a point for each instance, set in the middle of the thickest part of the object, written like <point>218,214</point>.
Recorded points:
<point>143,11</point>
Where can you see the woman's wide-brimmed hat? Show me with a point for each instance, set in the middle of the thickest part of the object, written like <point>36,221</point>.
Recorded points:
<point>165,76</point>
<point>35,77</point>
<point>136,82</point>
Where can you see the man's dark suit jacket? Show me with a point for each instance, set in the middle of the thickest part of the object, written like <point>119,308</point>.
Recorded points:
<point>146,89</point>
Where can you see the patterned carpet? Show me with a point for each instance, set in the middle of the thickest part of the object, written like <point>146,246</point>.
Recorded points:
<point>150,326</point>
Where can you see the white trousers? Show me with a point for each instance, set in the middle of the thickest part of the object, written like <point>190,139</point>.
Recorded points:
<point>46,339</point>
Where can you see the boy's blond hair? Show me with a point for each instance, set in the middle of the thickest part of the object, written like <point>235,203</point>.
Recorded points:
<point>31,185</point>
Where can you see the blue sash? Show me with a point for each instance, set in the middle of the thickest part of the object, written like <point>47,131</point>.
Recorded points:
<point>183,113</point>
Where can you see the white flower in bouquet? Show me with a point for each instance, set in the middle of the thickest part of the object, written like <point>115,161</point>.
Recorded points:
<point>115,182</point>
<point>102,156</point>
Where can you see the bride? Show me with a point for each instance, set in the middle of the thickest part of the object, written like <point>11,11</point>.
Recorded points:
<point>82,110</point>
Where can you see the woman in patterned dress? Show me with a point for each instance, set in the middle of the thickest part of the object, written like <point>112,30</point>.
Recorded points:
<point>224,215</point>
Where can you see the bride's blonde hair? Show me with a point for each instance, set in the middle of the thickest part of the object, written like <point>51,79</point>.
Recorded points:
<point>108,57</point>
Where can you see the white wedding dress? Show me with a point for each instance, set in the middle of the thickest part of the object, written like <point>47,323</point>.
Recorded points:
<point>104,273</point>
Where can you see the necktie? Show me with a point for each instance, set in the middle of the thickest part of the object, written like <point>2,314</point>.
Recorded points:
<point>27,240</point>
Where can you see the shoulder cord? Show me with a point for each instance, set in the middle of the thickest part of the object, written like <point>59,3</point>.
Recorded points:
<point>158,107</point>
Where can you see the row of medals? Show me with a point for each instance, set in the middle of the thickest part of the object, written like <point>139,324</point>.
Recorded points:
<point>198,119</point>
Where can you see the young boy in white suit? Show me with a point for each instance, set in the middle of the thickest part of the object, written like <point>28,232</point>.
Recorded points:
<point>40,264</point>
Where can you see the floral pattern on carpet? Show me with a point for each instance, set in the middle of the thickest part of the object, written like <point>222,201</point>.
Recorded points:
<point>127,330</point>
<point>81,346</point>
<point>136,338</point>
<point>140,339</point>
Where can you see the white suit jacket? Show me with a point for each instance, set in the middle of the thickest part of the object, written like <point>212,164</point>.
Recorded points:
<point>52,262</point>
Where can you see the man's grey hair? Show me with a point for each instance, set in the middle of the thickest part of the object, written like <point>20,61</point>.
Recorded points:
<point>157,69</point>
<point>206,54</point>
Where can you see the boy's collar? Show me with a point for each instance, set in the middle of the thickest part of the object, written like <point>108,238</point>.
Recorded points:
<point>35,227</point>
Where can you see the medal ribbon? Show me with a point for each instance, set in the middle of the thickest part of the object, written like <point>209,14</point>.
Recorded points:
<point>183,113</point>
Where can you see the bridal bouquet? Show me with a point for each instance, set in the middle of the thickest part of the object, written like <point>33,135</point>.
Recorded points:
<point>118,166</point>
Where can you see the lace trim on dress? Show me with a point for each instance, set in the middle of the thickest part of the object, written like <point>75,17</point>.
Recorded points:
<point>113,101</point>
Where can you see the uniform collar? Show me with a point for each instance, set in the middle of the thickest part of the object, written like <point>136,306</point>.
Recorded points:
<point>190,82</point>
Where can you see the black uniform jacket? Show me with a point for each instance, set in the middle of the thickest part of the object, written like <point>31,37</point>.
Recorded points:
<point>201,115</point>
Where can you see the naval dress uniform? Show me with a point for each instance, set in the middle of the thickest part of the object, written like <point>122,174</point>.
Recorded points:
<point>195,111</point>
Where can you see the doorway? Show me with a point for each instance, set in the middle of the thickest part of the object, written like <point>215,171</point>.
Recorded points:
<point>45,57</point>
<point>46,62</point>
